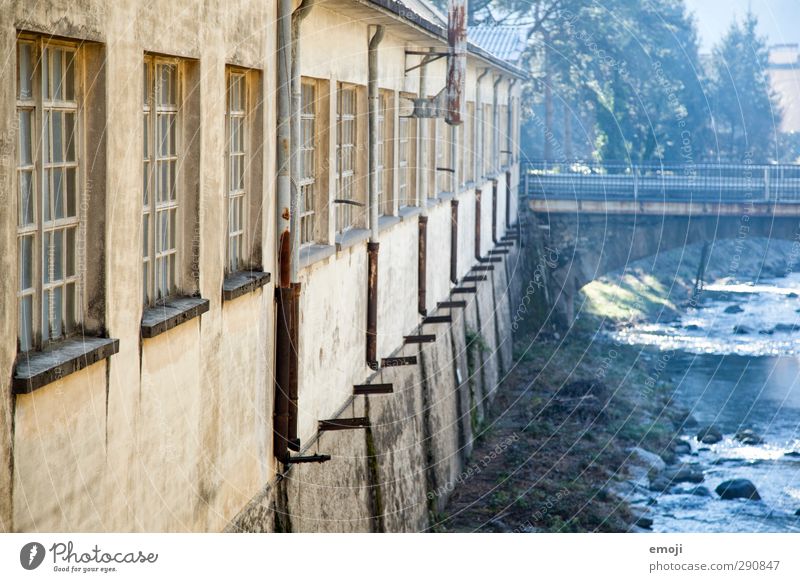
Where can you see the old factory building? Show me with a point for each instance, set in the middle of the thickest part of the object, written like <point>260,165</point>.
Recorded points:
<point>260,261</point>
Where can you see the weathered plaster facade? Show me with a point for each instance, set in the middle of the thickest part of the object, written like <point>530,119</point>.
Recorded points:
<point>174,432</point>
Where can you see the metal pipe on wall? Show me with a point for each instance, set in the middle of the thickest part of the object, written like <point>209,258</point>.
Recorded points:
<point>480,136</point>
<point>422,197</point>
<point>496,128</point>
<point>373,246</point>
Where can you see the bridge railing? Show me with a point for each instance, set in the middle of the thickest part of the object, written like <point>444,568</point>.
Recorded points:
<point>662,182</point>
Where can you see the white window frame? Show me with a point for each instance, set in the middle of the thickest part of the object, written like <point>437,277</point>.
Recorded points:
<point>57,278</point>
<point>160,261</point>
<point>346,152</point>
<point>236,158</point>
<point>308,161</point>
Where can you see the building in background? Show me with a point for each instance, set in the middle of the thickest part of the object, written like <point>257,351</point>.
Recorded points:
<point>784,75</point>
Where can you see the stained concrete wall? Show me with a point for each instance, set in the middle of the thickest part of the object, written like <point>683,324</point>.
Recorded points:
<point>174,433</point>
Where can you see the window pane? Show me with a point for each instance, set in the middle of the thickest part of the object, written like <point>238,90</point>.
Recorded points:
<point>145,83</point>
<point>173,180</point>
<point>71,252</point>
<point>172,214</point>
<point>57,150</point>
<point>69,309</point>
<point>162,231</point>
<point>71,187</point>
<point>26,323</point>
<point>46,195</point>
<point>46,74</point>
<point>46,137</point>
<point>173,144</point>
<point>57,313</point>
<point>69,81</point>
<point>25,263</point>
<point>56,62</point>
<point>58,193</point>
<point>69,135</point>
<point>25,158</point>
<point>145,282</point>
<point>25,71</point>
<point>163,137</point>
<point>58,255</point>
<point>145,236</point>
<point>146,183</point>
<point>46,315</point>
<point>26,206</point>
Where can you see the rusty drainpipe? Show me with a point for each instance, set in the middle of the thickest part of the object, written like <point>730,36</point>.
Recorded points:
<point>283,293</point>
<point>373,245</point>
<point>422,198</point>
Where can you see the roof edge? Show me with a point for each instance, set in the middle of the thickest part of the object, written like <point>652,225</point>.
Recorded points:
<point>404,13</point>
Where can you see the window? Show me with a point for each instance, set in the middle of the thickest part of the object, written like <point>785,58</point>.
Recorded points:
<point>488,140</point>
<point>444,166</point>
<point>237,169</point>
<point>469,154</point>
<point>384,195</point>
<point>345,157</point>
<point>50,192</point>
<point>405,161</point>
<point>307,182</point>
<point>160,179</point>
<point>503,145</point>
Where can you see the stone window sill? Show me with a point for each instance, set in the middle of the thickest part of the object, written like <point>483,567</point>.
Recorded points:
<point>160,318</point>
<point>314,253</point>
<point>243,282</point>
<point>351,237</point>
<point>35,370</point>
<point>386,222</point>
<point>407,212</point>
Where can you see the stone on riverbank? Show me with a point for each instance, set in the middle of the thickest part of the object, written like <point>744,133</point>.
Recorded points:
<point>738,489</point>
<point>709,435</point>
<point>748,436</point>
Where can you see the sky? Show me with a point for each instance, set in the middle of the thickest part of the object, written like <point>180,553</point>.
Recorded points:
<point>779,20</point>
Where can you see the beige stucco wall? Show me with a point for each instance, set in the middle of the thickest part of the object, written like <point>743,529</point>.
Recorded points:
<point>174,433</point>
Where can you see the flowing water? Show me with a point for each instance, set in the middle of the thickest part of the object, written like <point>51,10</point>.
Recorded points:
<point>735,363</point>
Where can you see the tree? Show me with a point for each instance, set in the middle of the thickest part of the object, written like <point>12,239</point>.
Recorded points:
<point>745,108</point>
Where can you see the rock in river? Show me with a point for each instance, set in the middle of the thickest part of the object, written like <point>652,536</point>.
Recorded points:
<point>677,475</point>
<point>748,436</point>
<point>738,489</point>
<point>709,435</point>
<point>733,309</point>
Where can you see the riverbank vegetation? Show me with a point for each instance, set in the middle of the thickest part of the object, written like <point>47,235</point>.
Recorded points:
<point>577,407</point>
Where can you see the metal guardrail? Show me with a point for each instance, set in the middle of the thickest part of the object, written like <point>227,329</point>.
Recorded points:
<point>662,182</point>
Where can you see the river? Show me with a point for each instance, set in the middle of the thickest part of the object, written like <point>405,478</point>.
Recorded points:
<point>735,363</point>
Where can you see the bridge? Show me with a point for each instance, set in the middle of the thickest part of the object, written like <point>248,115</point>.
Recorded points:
<point>599,217</point>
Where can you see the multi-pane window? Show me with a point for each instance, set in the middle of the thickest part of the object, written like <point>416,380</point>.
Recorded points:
<point>237,162</point>
<point>404,175</point>
<point>488,139</point>
<point>502,146</point>
<point>469,132</point>
<point>345,156</point>
<point>49,192</point>
<point>384,200</point>
<point>160,179</point>
<point>444,165</point>
<point>307,183</point>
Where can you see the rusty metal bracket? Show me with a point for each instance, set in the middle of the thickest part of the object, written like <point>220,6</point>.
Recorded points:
<point>399,361</point>
<point>437,319</point>
<point>491,260</point>
<point>365,389</point>
<point>478,268</point>
<point>498,252</point>
<point>451,304</point>
<point>462,290</point>
<point>451,170</point>
<point>436,56</point>
<point>473,278</point>
<point>343,423</point>
<point>307,459</point>
<point>419,339</point>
